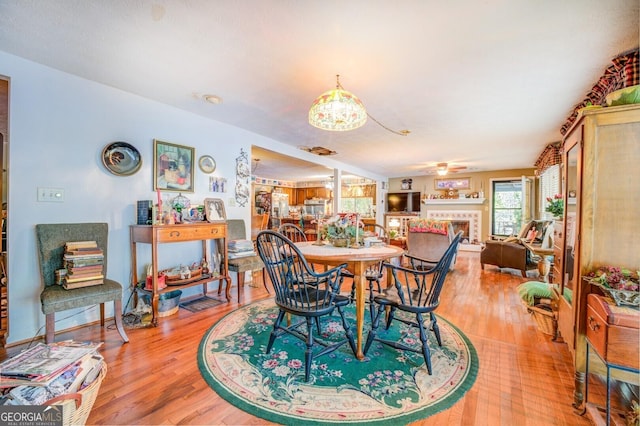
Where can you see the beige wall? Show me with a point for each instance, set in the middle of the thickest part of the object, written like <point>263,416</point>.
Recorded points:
<point>479,181</point>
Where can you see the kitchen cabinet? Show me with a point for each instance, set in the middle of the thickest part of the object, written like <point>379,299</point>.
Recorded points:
<point>322,192</point>
<point>302,194</point>
<point>602,152</point>
<point>157,235</point>
<point>291,193</point>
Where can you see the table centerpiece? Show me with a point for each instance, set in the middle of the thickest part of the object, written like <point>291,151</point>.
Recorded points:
<point>343,230</point>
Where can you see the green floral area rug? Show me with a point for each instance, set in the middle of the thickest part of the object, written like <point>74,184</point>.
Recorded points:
<point>388,387</point>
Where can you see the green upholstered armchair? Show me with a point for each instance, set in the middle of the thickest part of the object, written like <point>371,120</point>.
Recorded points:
<point>51,239</point>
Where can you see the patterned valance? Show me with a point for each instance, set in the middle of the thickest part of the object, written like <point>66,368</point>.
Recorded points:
<point>551,156</point>
<point>623,72</point>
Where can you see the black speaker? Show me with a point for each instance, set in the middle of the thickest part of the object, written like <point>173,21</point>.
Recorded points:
<point>144,212</point>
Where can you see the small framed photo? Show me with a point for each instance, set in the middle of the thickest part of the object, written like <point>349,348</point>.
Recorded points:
<point>173,167</point>
<point>449,183</point>
<point>214,210</point>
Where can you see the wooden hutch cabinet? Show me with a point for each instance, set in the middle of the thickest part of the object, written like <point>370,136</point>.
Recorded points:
<point>601,167</point>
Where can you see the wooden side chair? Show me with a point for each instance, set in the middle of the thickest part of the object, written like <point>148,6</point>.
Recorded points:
<point>292,232</point>
<point>417,292</point>
<point>259,222</point>
<point>379,231</point>
<point>51,239</point>
<point>302,292</point>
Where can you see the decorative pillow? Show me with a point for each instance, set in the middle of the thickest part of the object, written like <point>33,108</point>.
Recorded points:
<point>429,225</point>
<point>531,290</point>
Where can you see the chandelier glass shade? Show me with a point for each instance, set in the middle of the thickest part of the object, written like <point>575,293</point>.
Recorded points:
<point>441,168</point>
<point>337,110</point>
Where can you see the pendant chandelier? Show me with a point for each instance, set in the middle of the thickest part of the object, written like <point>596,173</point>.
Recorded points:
<point>337,110</point>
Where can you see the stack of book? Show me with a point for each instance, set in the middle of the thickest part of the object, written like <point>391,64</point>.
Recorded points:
<point>240,248</point>
<point>44,372</point>
<point>84,262</point>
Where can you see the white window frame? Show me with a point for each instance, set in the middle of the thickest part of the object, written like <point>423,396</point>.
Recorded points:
<point>549,186</point>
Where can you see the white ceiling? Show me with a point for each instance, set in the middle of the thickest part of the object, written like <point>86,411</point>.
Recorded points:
<point>483,84</point>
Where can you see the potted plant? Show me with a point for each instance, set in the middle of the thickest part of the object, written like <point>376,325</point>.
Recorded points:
<point>555,205</point>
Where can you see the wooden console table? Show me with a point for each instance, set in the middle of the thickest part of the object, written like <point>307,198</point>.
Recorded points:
<point>161,234</point>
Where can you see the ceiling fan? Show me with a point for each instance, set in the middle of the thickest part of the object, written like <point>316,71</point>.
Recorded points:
<point>443,169</point>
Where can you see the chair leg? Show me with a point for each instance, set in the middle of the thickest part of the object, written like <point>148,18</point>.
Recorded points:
<point>347,331</point>
<point>374,329</point>
<point>264,280</point>
<point>435,328</point>
<point>392,311</point>
<point>102,315</point>
<point>308,353</point>
<point>425,347</point>
<point>50,328</point>
<point>274,332</point>
<point>117,313</point>
<point>240,285</point>
<point>371,303</point>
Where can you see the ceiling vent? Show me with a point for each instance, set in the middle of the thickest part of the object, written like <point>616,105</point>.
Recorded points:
<point>318,150</point>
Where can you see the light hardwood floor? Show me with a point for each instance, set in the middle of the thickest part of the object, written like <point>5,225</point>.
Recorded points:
<point>524,377</point>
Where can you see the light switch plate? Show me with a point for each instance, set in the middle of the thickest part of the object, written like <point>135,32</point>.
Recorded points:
<point>50,195</point>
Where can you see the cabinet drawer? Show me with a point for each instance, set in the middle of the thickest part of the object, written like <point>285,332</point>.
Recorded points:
<point>613,332</point>
<point>189,233</point>
<point>597,332</point>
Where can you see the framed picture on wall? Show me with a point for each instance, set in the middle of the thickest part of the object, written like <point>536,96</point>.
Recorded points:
<point>173,167</point>
<point>451,183</point>
<point>214,210</point>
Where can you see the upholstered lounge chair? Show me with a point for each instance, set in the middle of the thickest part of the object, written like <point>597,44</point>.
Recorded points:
<point>51,239</point>
<point>510,253</point>
<point>429,239</point>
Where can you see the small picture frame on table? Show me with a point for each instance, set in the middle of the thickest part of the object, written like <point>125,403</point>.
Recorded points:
<point>214,210</point>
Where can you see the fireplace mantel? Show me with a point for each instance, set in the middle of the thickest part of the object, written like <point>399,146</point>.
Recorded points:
<point>446,201</point>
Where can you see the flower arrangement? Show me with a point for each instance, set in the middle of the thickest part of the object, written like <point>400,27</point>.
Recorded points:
<point>620,284</point>
<point>615,278</point>
<point>343,225</point>
<point>556,205</point>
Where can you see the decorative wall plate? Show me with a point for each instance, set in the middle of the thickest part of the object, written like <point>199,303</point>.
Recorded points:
<point>242,179</point>
<point>207,164</point>
<point>121,158</point>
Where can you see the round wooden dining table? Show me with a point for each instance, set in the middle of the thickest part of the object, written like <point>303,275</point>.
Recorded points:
<point>358,260</point>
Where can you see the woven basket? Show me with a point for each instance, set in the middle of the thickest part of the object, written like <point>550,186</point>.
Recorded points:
<point>76,407</point>
<point>545,318</point>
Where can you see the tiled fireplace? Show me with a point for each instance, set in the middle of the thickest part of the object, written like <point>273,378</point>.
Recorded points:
<point>469,221</point>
